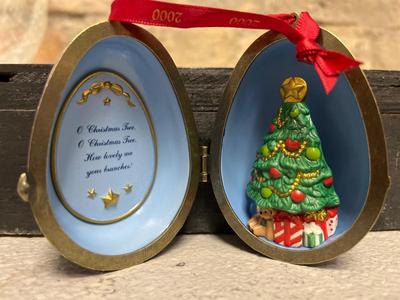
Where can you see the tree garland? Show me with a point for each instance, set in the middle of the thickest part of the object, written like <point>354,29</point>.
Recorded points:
<point>281,146</point>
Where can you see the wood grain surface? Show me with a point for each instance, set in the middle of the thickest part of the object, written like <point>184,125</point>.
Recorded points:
<point>20,90</point>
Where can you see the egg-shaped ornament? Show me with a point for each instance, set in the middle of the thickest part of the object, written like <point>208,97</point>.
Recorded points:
<point>97,167</point>
<point>307,211</point>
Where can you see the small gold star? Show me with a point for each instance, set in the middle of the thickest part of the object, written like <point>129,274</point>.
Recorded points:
<point>91,193</point>
<point>110,199</point>
<point>293,89</point>
<point>107,101</point>
<point>128,188</point>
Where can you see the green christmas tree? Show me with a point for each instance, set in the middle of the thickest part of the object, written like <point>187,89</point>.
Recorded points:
<point>290,173</point>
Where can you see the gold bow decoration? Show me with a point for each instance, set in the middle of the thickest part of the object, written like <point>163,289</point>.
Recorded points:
<point>320,215</point>
<point>97,87</point>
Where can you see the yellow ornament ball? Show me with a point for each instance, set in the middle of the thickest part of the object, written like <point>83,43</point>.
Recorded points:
<point>313,153</point>
<point>266,192</point>
<point>264,150</point>
<point>294,113</point>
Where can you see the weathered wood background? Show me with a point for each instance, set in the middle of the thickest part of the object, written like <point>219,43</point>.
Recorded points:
<point>20,90</point>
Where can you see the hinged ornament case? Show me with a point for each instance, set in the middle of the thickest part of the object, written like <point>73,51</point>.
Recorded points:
<point>114,165</point>
<point>113,162</point>
<point>300,175</point>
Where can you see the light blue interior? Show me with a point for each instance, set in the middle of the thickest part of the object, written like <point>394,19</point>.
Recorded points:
<point>104,147</point>
<point>336,116</point>
<point>138,65</point>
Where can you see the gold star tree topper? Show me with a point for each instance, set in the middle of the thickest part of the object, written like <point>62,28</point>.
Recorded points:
<point>293,89</point>
<point>110,199</point>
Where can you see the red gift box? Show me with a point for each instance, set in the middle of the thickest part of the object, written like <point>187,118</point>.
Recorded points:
<point>288,229</point>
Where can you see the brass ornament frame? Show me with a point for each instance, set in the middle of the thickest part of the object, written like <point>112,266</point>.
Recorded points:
<point>39,149</point>
<point>56,135</point>
<point>379,178</point>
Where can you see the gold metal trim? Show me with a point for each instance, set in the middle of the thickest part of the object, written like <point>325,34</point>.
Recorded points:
<point>39,149</point>
<point>204,163</point>
<point>56,134</point>
<point>23,187</point>
<point>379,179</point>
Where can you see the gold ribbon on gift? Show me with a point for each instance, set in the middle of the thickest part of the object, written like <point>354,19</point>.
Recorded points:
<point>319,215</point>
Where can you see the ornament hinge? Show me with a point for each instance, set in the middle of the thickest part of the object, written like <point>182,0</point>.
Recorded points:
<point>23,187</point>
<point>204,163</point>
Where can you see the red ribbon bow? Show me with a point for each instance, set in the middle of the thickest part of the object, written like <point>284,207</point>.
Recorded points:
<point>282,216</point>
<point>328,64</point>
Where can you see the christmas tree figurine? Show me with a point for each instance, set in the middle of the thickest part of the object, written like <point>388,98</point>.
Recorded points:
<point>291,183</point>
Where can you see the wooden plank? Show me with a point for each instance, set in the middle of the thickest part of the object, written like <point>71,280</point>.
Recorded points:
<point>386,87</point>
<point>390,215</point>
<point>21,85</point>
<point>20,90</point>
<point>15,216</point>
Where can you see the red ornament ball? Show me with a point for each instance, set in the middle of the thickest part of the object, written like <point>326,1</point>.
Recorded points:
<point>271,128</point>
<point>328,181</point>
<point>297,196</point>
<point>292,145</point>
<point>274,173</point>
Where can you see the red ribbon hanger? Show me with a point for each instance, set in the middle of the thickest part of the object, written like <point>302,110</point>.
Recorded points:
<point>328,64</point>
